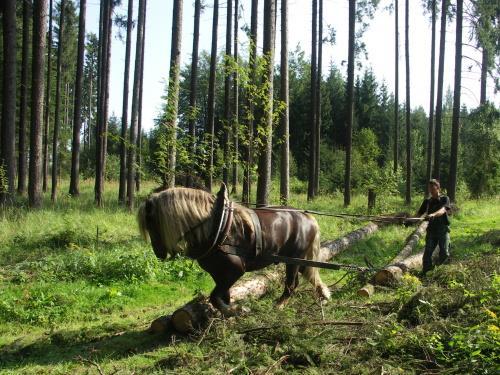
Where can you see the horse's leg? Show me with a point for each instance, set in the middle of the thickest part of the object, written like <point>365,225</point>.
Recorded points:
<point>291,282</point>
<point>225,271</point>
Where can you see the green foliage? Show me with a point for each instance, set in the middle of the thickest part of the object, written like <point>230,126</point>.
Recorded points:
<point>481,151</point>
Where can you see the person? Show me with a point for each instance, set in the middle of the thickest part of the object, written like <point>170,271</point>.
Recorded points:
<point>436,209</point>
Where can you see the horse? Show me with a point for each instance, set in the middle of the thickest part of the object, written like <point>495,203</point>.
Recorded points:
<point>189,221</point>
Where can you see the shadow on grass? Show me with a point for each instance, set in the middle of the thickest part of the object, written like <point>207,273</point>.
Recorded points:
<point>69,347</point>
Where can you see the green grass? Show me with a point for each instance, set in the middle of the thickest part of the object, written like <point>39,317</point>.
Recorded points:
<point>78,289</point>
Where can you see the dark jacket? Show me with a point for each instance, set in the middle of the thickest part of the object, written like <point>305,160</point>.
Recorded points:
<point>438,225</point>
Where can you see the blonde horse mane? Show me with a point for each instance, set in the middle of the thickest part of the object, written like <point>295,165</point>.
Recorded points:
<point>184,217</point>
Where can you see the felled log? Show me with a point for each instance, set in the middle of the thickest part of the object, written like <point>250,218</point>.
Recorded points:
<point>366,291</point>
<point>329,249</point>
<point>403,261</point>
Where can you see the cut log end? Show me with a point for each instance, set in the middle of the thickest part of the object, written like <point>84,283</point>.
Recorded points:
<point>388,275</point>
<point>191,316</point>
<point>163,324</point>
<point>366,291</point>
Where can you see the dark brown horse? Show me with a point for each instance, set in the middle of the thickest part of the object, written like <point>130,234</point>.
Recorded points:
<point>183,221</point>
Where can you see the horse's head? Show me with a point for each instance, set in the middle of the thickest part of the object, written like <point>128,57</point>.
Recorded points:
<point>149,226</point>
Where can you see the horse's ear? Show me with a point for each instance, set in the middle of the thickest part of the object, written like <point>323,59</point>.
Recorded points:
<point>223,191</point>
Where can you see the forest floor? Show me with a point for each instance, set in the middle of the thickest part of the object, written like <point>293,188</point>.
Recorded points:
<point>79,288</point>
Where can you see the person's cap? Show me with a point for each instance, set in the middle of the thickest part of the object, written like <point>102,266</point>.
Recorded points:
<point>435,183</point>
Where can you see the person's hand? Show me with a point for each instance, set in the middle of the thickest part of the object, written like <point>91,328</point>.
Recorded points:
<point>429,217</point>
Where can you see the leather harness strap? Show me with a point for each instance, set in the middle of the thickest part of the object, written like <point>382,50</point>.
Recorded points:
<point>257,232</point>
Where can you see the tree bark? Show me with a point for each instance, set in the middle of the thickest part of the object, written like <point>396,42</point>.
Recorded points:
<point>318,99</point>
<point>193,112</point>
<point>236,109</point>
<point>484,75</point>
<point>8,131</point>
<point>37,88</point>
<point>23,107</point>
<point>122,190</point>
<point>131,157</point>
<point>394,273</point>
<point>350,103</point>
<point>74,188</point>
<point>210,131</point>
<point>57,120</point>
<point>173,91</point>
<point>264,167</point>
<point>47,104</point>
<point>408,106</point>
<point>396,85</point>
<point>140,134</point>
<point>285,116</point>
<point>455,124</point>
<point>311,193</point>
<point>439,97</point>
<point>430,133</point>
<point>227,94</point>
<point>247,173</point>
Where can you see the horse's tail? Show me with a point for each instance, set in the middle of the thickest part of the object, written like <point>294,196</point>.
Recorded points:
<point>311,274</point>
<point>141,220</point>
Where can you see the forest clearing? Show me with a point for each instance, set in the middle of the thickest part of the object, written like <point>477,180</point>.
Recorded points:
<point>356,144</point>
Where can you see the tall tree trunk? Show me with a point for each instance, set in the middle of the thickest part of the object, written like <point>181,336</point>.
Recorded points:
<point>408,106</point>
<point>234,181</point>
<point>140,134</point>
<point>430,133</point>
<point>284,97</point>
<point>227,94</point>
<point>456,104</point>
<point>23,110</point>
<point>312,148</point>
<point>210,131</point>
<point>484,75</point>
<point>47,103</point>
<point>247,172</point>
<point>264,167</point>
<point>74,187</point>
<point>135,106</point>
<point>350,103</point>
<point>37,88</point>
<point>173,91</point>
<point>126,78</point>
<point>396,85</point>
<point>57,119</point>
<point>8,131</point>
<point>439,98</point>
<point>318,99</point>
<point>193,112</point>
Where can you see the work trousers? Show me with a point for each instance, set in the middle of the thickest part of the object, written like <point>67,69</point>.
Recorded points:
<point>431,241</point>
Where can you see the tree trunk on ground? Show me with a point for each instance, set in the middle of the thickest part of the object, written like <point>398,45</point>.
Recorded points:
<point>439,97</point>
<point>455,123</point>
<point>126,78</point>
<point>173,91</point>
<point>235,127</point>
<point>396,85</point>
<point>318,99</point>
<point>284,97</point>
<point>430,133</point>
<point>47,104</point>
<point>395,269</point>
<point>37,89</point>
<point>74,188</point>
<point>394,273</point>
<point>210,131</point>
<point>329,249</point>
<point>57,120</point>
<point>312,141</point>
<point>8,130</point>
<point>135,103</point>
<point>193,91</point>
<point>350,103</point>
<point>408,106</point>
<point>247,173</point>
<point>23,107</point>
<point>264,167</point>
<point>226,129</point>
